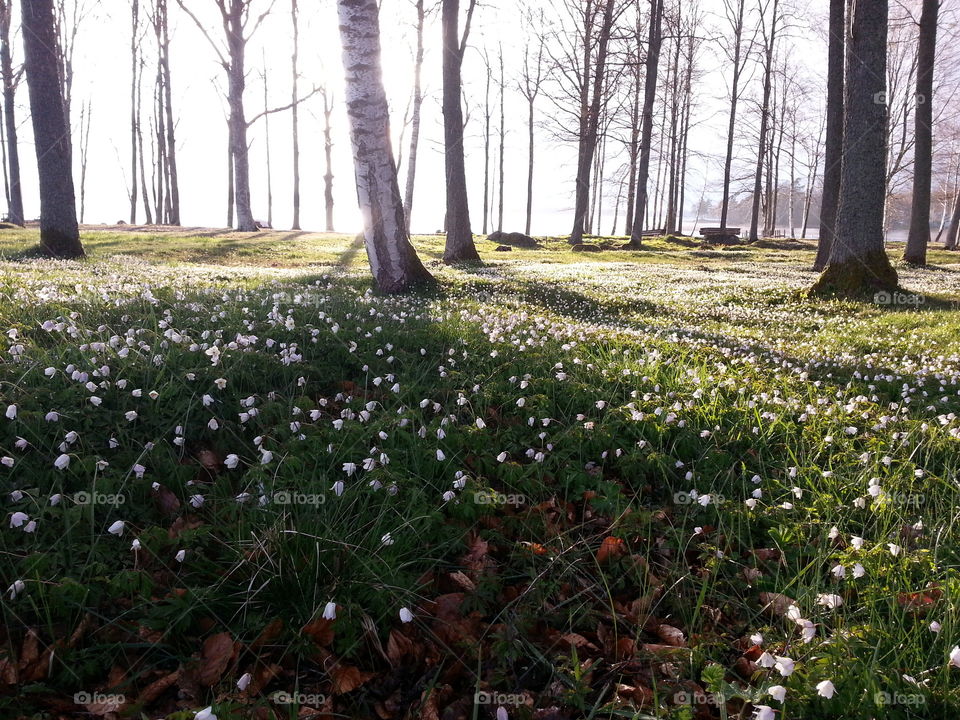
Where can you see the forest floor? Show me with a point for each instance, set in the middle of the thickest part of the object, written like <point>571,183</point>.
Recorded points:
<point>662,483</point>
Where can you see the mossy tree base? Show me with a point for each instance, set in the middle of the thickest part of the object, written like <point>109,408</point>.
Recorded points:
<point>856,277</point>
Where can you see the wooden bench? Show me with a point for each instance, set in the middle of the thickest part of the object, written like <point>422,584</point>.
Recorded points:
<point>654,233</point>
<point>719,234</point>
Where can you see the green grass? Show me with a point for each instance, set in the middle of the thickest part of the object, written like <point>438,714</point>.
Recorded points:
<point>593,392</point>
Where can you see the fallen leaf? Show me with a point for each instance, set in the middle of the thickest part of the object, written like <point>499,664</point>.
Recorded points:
<point>217,652</point>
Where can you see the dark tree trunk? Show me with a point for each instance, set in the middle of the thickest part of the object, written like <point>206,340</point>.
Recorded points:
<point>459,243</point>
<point>588,142</point>
<point>503,138</point>
<point>162,28</point>
<point>134,105</point>
<point>833,145</point>
<point>486,148</point>
<point>59,231</point>
<point>919,236</point>
<point>238,121</point>
<point>655,40</point>
<point>671,214</point>
<point>10,117</point>
<point>858,261</point>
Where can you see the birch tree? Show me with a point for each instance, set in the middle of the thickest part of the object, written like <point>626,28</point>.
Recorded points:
<point>393,260</point>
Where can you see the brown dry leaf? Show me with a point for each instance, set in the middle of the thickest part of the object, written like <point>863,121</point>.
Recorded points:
<point>155,689</point>
<point>30,649</point>
<point>110,704</point>
<point>80,631</point>
<point>346,678</point>
<point>261,677</point>
<point>476,558</point>
<point>270,633</point>
<point>218,650</point>
<point>399,646</point>
<point>167,502</point>
<point>575,640</point>
<point>320,631</point>
<point>463,581</point>
<point>209,460</point>
<point>8,672</point>
<point>671,635</point>
<point>184,522</point>
<point>775,603</point>
<point>610,549</point>
<point>428,706</point>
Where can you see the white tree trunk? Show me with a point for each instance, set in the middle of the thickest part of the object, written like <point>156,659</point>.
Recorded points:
<point>393,261</point>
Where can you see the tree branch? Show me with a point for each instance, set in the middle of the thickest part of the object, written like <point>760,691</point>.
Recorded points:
<point>283,108</point>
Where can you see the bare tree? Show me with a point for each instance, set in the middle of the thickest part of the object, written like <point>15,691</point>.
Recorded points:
<point>459,243</point>
<point>833,148</point>
<point>295,112</point>
<point>393,261</point>
<point>416,113</point>
<point>239,25</point>
<point>328,157</point>
<point>770,39</point>
<point>10,82</point>
<point>59,231</point>
<point>919,236</point>
<point>654,43</point>
<point>86,115</point>
<point>503,141</point>
<point>530,83</point>
<point>858,261</point>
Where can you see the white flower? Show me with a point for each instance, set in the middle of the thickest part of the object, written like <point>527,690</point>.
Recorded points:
<point>387,539</point>
<point>116,528</point>
<point>15,589</point>
<point>349,468</point>
<point>955,656</point>
<point>231,461</point>
<point>502,457</point>
<point>830,601</point>
<point>18,519</point>
<point>935,627</point>
<point>213,424</point>
<point>894,549</point>
<point>857,542</point>
<point>858,571</point>
<point>440,456</point>
<point>245,679</point>
<point>784,666</point>
<point>330,611</point>
<point>11,412</point>
<point>481,424</point>
<point>135,545</point>
<point>205,714</point>
<point>405,615</point>
<point>839,571</point>
<point>756,639</point>
<point>502,713</point>
<point>763,712</point>
<point>777,692</point>
<point>30,526</point>
<point>62,462</point>
<point>52,416</point>
<point>766,660</point>
<point>181,554</point>
<point>338,487</point>
<point>221,384</point>
<point>825,689</point>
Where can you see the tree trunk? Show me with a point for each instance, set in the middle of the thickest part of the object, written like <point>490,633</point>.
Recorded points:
<point>633,149</point>
<point>85,117</point>
<point>858,261</point>
<point>734,98</point>
<point>266,129</point>
<point>295,114</point>
<point>459,244</point>
<point>415,122</point>
<point>953,232</point>
<point>59,231</point>
<point>919,236</point>
<point>503,138</point>
<point>669,224</point>
<point>529,169</point>
<point>833,147</point>
<point>588,142</point>
<point>764,123</point>
<point>134,105</point>
<point>393,261</point>
<point>230,185</point>
<point>328,158</point>
<point>10,117</point>
<point>486,147</point>
<point>655,40</point>
<point>163,42</point>
<point>237,44</point>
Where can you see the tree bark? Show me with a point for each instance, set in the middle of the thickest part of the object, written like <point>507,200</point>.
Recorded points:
<point>328,158</point>
<point>919,236</point>
<point>833,145</point>
<point>459,243</point>
<point>953,232</point>
<point>415,118</point>
<point>764,123</point>
<point>162,29</point>
<point>654,41</point>
<point>858,261</point>
<point>10,116</point>
<point>734,98</point>
<point>295,113</point>
<point>588,141</point>
<point>393,261</point>
<point>503,138</point>
<point>59,231</point>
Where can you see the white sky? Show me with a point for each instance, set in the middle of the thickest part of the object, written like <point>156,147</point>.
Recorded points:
<point>102,76</point>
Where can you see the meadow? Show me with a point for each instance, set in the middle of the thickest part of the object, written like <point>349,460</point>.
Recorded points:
<point>663,483</point>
